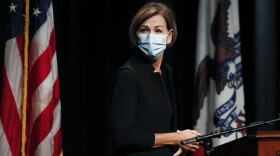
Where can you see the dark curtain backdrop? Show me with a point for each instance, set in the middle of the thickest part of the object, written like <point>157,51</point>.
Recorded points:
<point>92,42</point>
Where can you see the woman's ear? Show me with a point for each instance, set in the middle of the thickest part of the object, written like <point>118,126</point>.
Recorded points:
<point>169,36</point>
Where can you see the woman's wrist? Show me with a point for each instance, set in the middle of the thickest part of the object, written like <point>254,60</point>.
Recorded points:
<point>162,139</point>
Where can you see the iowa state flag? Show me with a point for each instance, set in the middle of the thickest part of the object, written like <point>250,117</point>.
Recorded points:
<point>219,94</point>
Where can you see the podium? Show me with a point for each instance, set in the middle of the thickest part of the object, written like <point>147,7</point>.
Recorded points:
<point>262,143</point>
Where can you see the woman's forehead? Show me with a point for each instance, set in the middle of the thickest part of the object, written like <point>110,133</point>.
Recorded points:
<point>155,21</point>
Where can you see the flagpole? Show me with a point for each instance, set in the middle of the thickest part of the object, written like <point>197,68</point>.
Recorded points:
<point>25,77</point>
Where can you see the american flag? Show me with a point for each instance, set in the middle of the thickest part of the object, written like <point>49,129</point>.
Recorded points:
<point>42,128</point>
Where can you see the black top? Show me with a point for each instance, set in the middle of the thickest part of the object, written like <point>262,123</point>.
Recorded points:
<point>143,103</point>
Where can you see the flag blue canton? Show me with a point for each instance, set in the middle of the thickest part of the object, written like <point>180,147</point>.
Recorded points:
<point>39,14</point>
<point>15,24</point>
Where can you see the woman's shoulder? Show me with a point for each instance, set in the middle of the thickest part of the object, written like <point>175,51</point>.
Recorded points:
<point>128,65</point>
<point>126,70</point>
<point>132,64</point>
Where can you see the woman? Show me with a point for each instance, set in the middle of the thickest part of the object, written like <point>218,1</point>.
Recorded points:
<point>143,112</point>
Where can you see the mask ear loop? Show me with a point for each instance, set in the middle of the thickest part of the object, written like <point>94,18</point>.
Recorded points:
<point>169,31</point>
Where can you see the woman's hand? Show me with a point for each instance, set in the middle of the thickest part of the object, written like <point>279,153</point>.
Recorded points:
<point>175,138</point>
<point>180,151</point>
<point>192,147</point>
<point>187,134</point>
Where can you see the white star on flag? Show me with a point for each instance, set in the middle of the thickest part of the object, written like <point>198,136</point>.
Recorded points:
<point>13,7</point>
<point>36,12</point>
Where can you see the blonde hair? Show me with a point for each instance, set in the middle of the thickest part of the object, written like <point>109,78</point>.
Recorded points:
<point>147,11</point>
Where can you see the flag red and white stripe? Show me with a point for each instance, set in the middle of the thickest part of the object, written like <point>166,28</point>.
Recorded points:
<point>44,91</point>
<point>12,88</point>
<point>11,99</point>
<point>43,108</point>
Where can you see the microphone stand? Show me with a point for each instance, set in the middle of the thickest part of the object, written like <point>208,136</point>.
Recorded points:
<point>207,139</point>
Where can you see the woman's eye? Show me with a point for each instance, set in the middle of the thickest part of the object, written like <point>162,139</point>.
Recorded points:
<point>158,31</point>
<point>143,31</point>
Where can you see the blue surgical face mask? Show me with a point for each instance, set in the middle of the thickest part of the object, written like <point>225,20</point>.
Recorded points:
<point>152,45</point>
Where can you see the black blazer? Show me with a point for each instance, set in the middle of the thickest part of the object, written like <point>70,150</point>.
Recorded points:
<point>140,108</point>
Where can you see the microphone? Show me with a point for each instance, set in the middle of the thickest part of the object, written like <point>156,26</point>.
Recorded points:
<point>218,133</point>
<point>195,139</point>
<point>213,134</point>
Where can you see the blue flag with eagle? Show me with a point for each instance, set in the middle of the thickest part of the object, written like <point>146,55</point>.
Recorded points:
<point>218,95</point>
